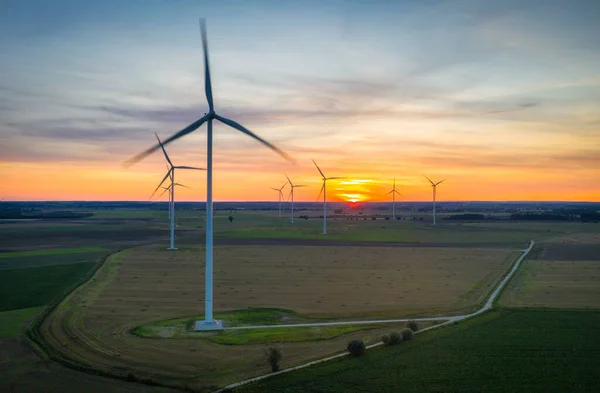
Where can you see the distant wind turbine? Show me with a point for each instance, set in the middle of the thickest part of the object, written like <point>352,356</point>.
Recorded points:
<point>171,175</point>
<point>209,322</point>
<point>292,194</point>
<point>434,185</point>
<point>324,191</point>
<point>168,189</point>
<point>280,193</point>
<point>394,192</point>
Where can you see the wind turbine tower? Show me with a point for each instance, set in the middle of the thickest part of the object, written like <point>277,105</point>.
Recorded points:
<point>209,323</point>
<point>292,194</point>
<point>434,186</point>
<point>280,194</point>
<point>394,192</point>
<point>324,191</point>
<point>171,175</point>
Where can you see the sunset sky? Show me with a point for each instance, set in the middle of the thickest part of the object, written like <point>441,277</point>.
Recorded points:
<point>501,98</point>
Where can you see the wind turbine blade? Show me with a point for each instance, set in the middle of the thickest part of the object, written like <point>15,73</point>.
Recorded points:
<point>163,149</point>
<point>301,185</point>
<point>394,183</point>
<point>182,185</point>
<point>321,192</point>
<point>190,167</point>
<point>440,182</point>
<point>165,190</point>
<point>192,127</point>
<point>336,178</point>
<point>276,189</point>
<point>319,169</point>
<point>207,81</point>
<point>161,183</point>
<point>282,187</point>
<point>397,192</point>
<point>290,194</point>
<point>432,183</point>
<point>246,131</point>
<point>389,192</point>
<point>291,184</point>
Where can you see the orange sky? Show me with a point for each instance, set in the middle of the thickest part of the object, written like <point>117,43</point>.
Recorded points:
<point>477,95</point>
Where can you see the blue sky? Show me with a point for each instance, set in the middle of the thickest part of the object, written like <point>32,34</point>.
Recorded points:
<point>466,89</point>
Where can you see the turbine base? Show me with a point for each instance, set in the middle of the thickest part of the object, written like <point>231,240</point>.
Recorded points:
<point>207,326</point>
<point>172,249</point>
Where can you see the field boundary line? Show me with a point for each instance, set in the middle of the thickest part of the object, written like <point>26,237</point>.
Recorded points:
<point>454,319</point>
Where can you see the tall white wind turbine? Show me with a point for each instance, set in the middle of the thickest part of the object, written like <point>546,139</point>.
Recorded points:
<point>394,192</point>
<point>280,194</point>
<point>292,194</point>
<point>324,191</point>
<point>434,186</point>
<point>171,175</point>
<point>209,323</point>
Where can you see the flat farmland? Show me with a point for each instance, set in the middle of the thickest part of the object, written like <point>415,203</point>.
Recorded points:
<point>562,272</point>
<point>147,284</point>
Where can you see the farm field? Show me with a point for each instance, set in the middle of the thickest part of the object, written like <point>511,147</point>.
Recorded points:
<point>38,262</point>
<point>473,356</point>
<point>11,322</point>
<point>562,272</point>
<point>147,284</point>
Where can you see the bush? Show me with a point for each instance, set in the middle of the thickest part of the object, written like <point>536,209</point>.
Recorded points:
<point>413,325</point>
<point>386,340</point>
<point>395,337</point>
<point>407,334</point>
<point>356,347</point>
<point>274,355</point>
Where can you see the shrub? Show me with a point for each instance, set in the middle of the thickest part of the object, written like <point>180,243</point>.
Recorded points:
<point>407,334</point>
<point>413,325</point>
<point>356,347</point>
<point>274,355</point>
<point>395,337</point>
<point>386,340</point>
<point>131,378</point>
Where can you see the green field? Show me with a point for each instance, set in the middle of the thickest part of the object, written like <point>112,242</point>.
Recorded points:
<point>37,286</point>
<point>43,258</point>
<point>257,316</point>
<point>56,251</point>
<point>11,322</point>
<point>501,351</point>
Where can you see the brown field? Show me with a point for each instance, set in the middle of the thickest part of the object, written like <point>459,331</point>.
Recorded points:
<point>24,371</point>
<point>147,284</point>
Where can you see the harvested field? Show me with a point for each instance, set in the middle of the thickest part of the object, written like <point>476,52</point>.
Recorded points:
<point>148,284</point>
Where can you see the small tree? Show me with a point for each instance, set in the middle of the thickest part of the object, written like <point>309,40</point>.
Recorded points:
<point>413,325</point>
<point>395,337</point>
<point>386,340</point>
<point>230,218</point>
<point>407,334</point>
<point>356,347</point>
<point>274,355</point>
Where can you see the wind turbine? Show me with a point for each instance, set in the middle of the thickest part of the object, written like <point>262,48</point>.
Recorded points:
<point>434,185</point>
<point>209,322</point>
<point>171,175</point>
<point>324,191</point>
<point>394,192</point>
<point>168,189</point>
<point>280,196</point>
<point>292,194</point>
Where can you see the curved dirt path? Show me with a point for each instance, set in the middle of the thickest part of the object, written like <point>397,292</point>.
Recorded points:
<point>448,320</point>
